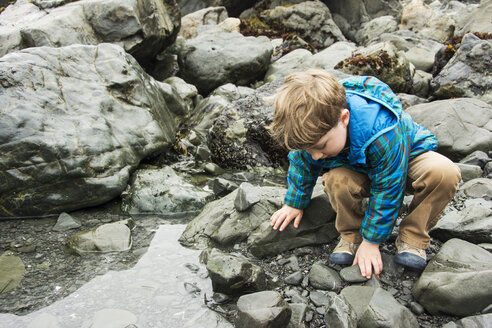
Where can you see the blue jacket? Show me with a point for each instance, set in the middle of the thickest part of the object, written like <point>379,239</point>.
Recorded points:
<point>382,140</point>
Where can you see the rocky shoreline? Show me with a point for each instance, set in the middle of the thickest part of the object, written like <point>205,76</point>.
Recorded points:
<point>125,114</point>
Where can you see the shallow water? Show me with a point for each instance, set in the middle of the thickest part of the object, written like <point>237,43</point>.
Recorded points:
<point>151,294</point>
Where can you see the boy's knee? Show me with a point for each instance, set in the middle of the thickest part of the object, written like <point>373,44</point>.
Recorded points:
<point>446,175</point>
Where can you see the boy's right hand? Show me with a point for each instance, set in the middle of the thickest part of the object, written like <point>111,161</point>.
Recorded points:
<point>284,216</point>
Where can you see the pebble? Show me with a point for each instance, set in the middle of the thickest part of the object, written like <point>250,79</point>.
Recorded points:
<point>305,282</point>
<point>416,308</point>
<point>309,316</point>
<point>319,298</point>
<point>321,310</point>
<point>294,278</point>
<point>192,267</point>
<point>192,288</point>
<point>220,298</point>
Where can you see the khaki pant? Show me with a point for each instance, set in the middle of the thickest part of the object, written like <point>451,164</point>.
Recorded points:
<point>431,178</point>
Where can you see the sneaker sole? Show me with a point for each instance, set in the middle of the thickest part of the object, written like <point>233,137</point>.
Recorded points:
<point>341,258</point>
<point>411,261</point>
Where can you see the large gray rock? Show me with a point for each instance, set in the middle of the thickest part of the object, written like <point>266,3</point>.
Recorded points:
<point>232,275</point>
<point>111,237</point>
<point>209,60</point>
<point>12,271</point>
<point>462,125</point>
<point>468,73</point>
<point>75,121</point>
<point>375,307</point>
<point>311,20</point>
<point>457,281</point>
<point>476,321</point>
<point>383,61</point>
<point>473,223</point>
<point>263,310</point>
<point>339,313</point>
<point>478,188</point>
<point>478,20</point>
<point>143,28</point>
<point>163,191</point>
<point>375,27</point>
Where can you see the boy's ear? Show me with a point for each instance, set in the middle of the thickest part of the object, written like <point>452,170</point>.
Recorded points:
<point>345,117</point>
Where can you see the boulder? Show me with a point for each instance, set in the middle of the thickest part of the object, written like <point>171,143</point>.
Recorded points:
<point>476,321</point>
<point>232,275</point>
<point>302,59</point>
<point>239,138</point>
<point>198,19</point>
<point>468,73</point>
<point>12,270</point>
<point>339,313</point>
<point>375,307</point>
<point>311,20</point>
<point>426,21</point>
<point>263,310</point>
<point>383,61</point>
<point>325,278</point>
<point>457,281</point>
<point>110,237</point>
<point>478,20</point>
<point>469,172</point>
<point>209,61</point>
<point>162,191</point>
<point>462,125</point>
<point>473,223</point>
<point>478,188</point>
<point>51,162</point>
<point>375,27</point>
<point>143,28</point>
<point>220,223</point>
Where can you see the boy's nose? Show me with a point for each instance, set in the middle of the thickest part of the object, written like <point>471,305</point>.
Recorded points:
<point>317,156</point>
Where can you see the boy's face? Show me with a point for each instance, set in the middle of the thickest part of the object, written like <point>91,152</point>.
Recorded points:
<point>333,142</point>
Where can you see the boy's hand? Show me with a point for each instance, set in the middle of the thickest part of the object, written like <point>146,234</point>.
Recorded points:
<point>283,217</point>
<point>368,257</point>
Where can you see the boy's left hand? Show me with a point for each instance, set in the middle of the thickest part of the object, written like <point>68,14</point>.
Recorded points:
<point>368,257</point>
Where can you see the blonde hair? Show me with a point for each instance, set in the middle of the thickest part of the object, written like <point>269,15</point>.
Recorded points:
<point>306,106</point>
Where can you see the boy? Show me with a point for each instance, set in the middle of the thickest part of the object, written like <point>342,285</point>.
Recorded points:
<point>357,129</point>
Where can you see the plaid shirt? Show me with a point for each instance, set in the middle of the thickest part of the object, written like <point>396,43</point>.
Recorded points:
<point>385,161</point>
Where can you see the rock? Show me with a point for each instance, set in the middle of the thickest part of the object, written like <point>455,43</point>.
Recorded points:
<point>478,188</point>
<point>421,83</point>
<point>111,237</point>
<point>44,320</point>
<point>246,197</point>
<point>339,313</point>
<point>220,223</point>
<point>468,73</point>
<point>234,276</point>
<point>113,318</point>
<point>187,92</point>
<point>234,7</point>
<point>143,28</point>
<point>317,227</point>
<point>87,162</point>
<point>222,187</point>
<point>229,25</point>
<point>416,308</point>
<point>461,125</point>
<point>352,274</point>
<point>294,278</point>
<point>162,191</point>
<point>232,92</point>
<point>383,61</point>
<point>473,223</point>
<point>207,319</point>
<point>410,100</point>
<point>311,19</point>
<point>457,281</point>
<point>298,314</point>
<point>426,21</point>
<point>375,27</point>
<point>320,298</point>
<point>262,310</point>
<point>208,61</point>
<point>375,307</point>
<point>302,59</point>
<point>12,271</point>
<point>422,59</point>
<point>208,16</point>
<point>479,158</point>
<point>65,222</point>
<point>477,21</point>
<point>469,172</point>
<point>478,321</point>
<point>239,138</point>
<point>323,277</point>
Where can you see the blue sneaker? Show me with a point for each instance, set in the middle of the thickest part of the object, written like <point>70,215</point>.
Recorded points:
<point>344,252</point>
<point>410,256</point>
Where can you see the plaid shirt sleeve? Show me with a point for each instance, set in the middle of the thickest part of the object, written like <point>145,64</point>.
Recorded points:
<point>388,156</point>
<point>301,180</point>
